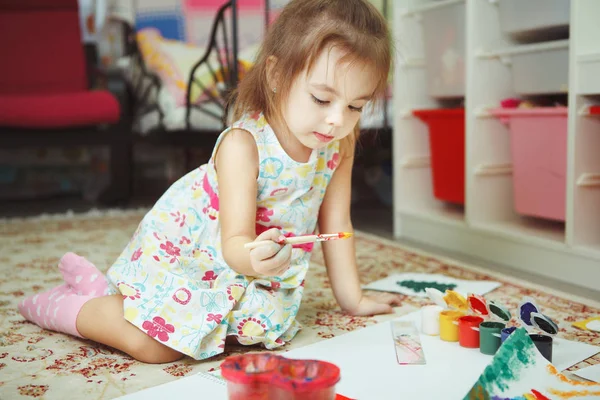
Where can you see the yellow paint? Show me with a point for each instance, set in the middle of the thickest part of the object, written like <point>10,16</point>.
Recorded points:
<point>456,300</point>
<point>583,324</point>
<point>448,326</point>
<point>529,396</point>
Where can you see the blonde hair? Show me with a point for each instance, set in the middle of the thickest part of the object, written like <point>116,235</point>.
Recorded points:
<point>304,29</point>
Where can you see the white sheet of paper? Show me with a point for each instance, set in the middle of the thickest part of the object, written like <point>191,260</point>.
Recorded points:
<point>200,386</point>
<point>369,368</point>
<point>389,284</point>
<point>592,373</point>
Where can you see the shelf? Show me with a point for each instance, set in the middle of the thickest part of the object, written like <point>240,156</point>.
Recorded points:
<point>488,226</point>
<point>525,49</point>
<point>444,213</point>
<point>588,70</point>
<point>591,251</point>
<point>529,230</point>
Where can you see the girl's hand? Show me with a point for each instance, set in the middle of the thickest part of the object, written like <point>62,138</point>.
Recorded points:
<point>272,259</point>
<point>378,304</point>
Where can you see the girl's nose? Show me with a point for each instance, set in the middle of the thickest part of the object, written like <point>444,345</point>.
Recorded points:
<point>335,117</point>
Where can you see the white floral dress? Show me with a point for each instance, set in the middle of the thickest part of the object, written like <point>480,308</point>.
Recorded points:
<point>175,282</point>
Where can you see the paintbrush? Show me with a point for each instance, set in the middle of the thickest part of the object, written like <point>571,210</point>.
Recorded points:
<point>323,237</point>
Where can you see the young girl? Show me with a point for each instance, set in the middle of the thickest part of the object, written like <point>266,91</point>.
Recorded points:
<point>185,283</point>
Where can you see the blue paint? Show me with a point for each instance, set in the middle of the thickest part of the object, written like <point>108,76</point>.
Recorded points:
<point>526,310</point>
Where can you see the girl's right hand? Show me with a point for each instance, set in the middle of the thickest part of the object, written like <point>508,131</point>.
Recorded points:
<point>272,259</point>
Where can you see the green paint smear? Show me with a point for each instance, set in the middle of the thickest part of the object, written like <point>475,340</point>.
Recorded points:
<point>420,286</point>
<point>516,354</point>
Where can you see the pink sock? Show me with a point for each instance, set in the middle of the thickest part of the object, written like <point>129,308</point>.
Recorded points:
<point>55,309</point>
<point>82,275</point>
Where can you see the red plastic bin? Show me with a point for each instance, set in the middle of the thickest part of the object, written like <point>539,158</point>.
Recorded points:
<point>447,148</point>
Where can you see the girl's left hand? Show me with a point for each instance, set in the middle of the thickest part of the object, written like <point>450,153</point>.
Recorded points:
<point>379,304</point>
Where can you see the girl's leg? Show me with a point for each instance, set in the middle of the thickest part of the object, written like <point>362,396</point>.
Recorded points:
<point>101,320</point>
<point>80,308</point>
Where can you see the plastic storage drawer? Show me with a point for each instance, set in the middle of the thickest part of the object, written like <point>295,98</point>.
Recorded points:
<point>447,148</point>
<point>541,68</point>
<point>538,142</point>
<point>535,20</point>
<point>444,42</point>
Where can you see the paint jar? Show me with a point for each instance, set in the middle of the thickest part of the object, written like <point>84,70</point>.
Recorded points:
<point>448,325</point>
<point>506,332</point>
<point>248,375</point>
<point>468,331</point>
<point>430,320</point>
<point>305,380</point>
<point>543,344</point>
<point>489,337</point>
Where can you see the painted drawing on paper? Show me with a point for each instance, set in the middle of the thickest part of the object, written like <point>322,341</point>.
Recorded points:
<point>407,343</point>
<point>519,372</point>
<point>414,284</point>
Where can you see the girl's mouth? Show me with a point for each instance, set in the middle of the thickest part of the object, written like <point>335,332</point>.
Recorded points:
<point>323,138</point>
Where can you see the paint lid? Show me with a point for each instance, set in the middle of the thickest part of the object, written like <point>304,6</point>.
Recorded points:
<point>477,304</point>
<point>544,323</point>
<point>437,297</point>
<point>456,300</point>
<point>526,308</point>
<point>499,311</point>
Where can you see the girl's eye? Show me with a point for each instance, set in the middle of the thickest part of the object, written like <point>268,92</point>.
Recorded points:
<point>318,101</point>
<point>357,109</point>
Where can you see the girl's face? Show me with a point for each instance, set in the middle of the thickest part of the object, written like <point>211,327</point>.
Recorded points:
<point>326,104</point>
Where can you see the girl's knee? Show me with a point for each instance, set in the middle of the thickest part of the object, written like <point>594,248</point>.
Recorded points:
<point>148,350</point>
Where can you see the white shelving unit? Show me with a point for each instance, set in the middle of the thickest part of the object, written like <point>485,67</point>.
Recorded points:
<point>487,226</point>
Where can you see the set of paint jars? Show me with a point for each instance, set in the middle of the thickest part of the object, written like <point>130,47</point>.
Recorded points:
<point>261,376</point>
<point>474,322</point>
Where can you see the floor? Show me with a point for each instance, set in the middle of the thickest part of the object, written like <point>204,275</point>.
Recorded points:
<point>369,215</point>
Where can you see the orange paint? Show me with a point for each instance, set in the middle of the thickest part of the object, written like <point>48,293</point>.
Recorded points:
<point>553,371</point>
<point>574,393</point>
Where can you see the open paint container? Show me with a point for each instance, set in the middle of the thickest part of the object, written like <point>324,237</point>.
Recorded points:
<point>454,306</point>
<point>256,376</point>
<point>534,321</point>
<point>490,331</point>
<point>443,321</point>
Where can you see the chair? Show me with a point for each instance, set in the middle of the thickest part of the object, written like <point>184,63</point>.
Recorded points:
<point>45,98</point>
<point>221,59</point>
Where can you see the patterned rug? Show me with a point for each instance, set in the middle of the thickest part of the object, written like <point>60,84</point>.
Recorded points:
<point>43,364</point>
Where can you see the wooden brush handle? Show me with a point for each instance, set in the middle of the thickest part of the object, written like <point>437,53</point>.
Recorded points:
<point>289,240</point>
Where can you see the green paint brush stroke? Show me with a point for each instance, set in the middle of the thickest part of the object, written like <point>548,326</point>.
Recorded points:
<point>516,354</point>
<point>420,286</point>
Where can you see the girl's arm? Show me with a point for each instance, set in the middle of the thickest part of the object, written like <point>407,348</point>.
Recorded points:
<point>340,259</point>
<point>236,163</point>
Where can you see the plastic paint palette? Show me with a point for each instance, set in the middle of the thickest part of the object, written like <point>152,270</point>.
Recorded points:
<point>255,376</point>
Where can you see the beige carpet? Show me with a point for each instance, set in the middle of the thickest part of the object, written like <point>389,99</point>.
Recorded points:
<point>42,364</point>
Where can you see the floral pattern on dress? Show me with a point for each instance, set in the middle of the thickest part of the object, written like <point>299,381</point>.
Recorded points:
<point>175,282</point>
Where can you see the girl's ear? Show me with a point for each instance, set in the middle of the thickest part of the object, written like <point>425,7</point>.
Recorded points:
<point>272,76</point>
